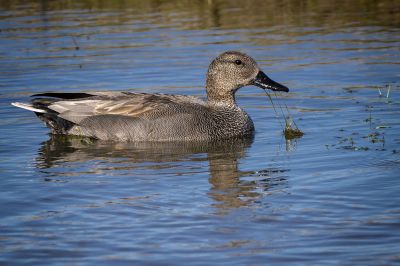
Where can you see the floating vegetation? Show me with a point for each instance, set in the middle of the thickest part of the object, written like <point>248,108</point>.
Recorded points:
<point>375,137</point>
<point>290,130</point>
<point>359,142</point>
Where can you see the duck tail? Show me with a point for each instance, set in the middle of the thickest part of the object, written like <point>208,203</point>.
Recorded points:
<point>29,107</point>
<point>56,124</point>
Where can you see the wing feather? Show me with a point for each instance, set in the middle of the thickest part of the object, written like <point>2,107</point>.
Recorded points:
<point>137,105</point>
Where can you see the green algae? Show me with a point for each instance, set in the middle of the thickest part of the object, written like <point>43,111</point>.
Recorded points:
<point>290,130</point>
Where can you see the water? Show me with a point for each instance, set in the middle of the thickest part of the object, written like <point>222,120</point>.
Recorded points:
<point>331,197</point>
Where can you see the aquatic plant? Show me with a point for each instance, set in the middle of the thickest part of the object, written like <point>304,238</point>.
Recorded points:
<point>290,130</point>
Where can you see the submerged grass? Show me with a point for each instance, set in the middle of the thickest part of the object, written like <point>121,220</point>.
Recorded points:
<point>290,130</point>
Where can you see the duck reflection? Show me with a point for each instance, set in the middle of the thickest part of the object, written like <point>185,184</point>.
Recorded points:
<point>228,190</point>
<point>232,188</point>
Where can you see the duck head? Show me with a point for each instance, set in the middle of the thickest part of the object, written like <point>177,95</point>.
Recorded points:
<point>232,70</point>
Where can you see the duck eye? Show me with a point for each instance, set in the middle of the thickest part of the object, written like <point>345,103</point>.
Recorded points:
<point>238,62</point>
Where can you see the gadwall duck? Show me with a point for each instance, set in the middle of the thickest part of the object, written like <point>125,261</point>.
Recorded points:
<point>127,116</point>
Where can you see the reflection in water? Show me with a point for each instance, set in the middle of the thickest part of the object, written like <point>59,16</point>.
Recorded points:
<point>227,187</point>
<point>69,149</point>
<point>230,191</point>
<point>234,14</point>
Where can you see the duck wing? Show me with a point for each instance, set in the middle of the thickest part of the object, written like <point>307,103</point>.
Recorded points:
<point>75,107</point>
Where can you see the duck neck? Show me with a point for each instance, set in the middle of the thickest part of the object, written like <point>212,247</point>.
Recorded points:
<point>219,96</point>
<point>222,100</point>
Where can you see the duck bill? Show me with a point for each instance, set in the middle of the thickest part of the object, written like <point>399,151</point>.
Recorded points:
<point>264,82</point>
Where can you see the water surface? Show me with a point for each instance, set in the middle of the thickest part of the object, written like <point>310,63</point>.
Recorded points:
<point>331,197</point>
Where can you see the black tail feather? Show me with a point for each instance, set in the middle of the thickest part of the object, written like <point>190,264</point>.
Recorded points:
<point>60,95</point>
<point>56,124</point>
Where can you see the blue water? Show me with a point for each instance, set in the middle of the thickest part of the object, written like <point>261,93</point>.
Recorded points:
<point>330,197</point>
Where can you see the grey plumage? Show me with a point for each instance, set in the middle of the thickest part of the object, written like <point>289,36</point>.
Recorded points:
<point>125,116</point>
